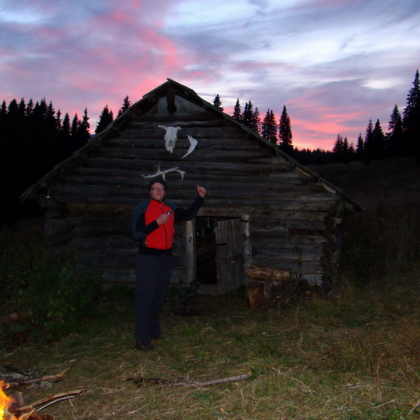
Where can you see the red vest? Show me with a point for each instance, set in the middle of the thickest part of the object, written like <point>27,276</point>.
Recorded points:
<point>163,236</point>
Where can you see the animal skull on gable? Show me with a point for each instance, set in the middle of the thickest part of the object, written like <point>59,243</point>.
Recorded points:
<point>170,137</point>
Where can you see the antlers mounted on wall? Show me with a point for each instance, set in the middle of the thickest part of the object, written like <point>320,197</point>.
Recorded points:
<point>193,144</point>
<point>166,171</point>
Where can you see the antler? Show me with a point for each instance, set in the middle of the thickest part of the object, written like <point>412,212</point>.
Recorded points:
<point>193,144</point>
<point>163,173</point>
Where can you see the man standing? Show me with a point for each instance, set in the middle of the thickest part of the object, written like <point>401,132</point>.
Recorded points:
<point>153,226</point>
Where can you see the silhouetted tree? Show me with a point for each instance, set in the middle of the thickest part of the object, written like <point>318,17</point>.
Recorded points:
<point>218,103</point>
<point>394,143</point>
<point>256,121</point>
<point>65,138</point>
<point>269,127</point>
<point>83,131</point>
<point>106,118</point>
<point>378,141</point>
<point>285,133</point>
<point>360,148</point>
<point>126,104</point>
<point>368,144</point>
<point>65,129</point>
<point>352,151</point>
<point>237,112</point>
<point>74,125</point>
<point>29,108</point>
<point>338,149</point>
<point>411,118</point>
<point>248,114</point>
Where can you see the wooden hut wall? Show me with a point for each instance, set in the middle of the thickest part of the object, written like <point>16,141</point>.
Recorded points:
<point>90,209</point>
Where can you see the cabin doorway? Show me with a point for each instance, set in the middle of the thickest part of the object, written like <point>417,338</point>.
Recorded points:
<point>219,253</point>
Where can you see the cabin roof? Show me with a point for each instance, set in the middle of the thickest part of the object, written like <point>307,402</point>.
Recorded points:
<point>145,105</point>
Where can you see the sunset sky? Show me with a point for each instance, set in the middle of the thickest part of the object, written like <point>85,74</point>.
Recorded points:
<point>334,64</point>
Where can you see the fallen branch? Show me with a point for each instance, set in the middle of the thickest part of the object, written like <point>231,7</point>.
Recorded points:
<point>196,384</point>
<point>15,381</point>
<point>41,404</point>
<point>187,382</point>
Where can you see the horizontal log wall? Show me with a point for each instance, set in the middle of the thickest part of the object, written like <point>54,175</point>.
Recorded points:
<point>91,207</point>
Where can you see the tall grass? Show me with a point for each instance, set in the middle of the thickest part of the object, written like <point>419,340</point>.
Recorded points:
<point>49,299</point>
<point>383,242</point>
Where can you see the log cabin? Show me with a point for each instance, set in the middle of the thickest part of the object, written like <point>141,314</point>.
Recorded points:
<point>263,213</point>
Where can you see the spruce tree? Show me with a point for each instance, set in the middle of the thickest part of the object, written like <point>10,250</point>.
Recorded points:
<point>29,108</point>
<point>346,150</point>
<point>65,137</point>
<point>237,112</point>
<point>368,146</point>
<point>285,133</point>
<point>360,148</point>
<point>218,103</point>
<point>248,114</point>
<point>83,132</point>
<point>269,127</point>
<point>106,118</point>
<point>66,129</point>
<point>58,121</point>
<point>126,104</point>
<point>256,121</point>
<point>378,141</point>
<point>74,126</point>
<point>338,148</point>
<point>411,119</point>
<point>394,144</point>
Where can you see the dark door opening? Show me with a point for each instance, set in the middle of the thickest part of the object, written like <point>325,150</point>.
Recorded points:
<point>206,250</point>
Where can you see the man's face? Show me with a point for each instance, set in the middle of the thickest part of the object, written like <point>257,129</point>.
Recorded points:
<point>157,191</point>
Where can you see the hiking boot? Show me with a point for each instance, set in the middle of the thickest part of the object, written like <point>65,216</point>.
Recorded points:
<point>144,346</point>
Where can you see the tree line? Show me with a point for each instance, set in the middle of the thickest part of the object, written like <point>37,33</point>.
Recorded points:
<point>402,138</point>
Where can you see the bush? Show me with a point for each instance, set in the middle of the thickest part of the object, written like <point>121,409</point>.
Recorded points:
<point>50,299</point>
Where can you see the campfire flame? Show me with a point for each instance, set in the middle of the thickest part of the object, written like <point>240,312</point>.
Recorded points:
<point>5,402</point>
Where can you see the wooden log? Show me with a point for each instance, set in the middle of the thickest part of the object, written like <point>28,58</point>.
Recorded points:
<point>138,153</point>
<point>268,274</point>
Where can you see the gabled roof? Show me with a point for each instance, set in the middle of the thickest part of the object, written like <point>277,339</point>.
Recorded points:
<point>144,105</point>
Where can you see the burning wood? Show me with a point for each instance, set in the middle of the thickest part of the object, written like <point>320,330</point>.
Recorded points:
<point>11,409</point>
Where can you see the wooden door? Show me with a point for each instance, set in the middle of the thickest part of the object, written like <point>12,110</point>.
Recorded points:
<point>232,254</point>
<point>231,238</point>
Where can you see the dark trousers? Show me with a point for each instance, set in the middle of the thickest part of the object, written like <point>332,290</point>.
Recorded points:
<point>152,283</point>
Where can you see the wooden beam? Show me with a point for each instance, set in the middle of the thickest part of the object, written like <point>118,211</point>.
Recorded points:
<point>190,257</point>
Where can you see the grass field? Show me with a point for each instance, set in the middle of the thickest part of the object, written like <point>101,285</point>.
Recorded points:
<point>352,355</point>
